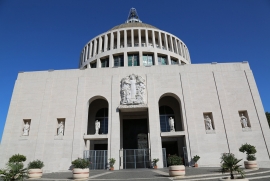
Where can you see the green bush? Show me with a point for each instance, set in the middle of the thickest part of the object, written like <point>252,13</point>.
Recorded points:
<point>17,158</point>
<point>111,162</point>
<point>155,160</point>
<point>196,158</point>
<point>14,171</point>
<point>229,164</point>
<point>35,164</point>
<point>249,150</point>
<point>80,163</point>
<point>175,160</point>
<point>251,158</point>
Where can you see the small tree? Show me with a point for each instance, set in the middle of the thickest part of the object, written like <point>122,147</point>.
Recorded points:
<point>268,117</point>
<point>249,150</point>
<point>229,164</point>
<point>17,158</point>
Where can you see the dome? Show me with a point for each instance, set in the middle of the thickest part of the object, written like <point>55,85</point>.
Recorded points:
<point>134,24</point>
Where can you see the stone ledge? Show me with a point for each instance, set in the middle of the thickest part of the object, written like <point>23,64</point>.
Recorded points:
<point>23,137</point>
<point>172,134</point>
<point>133,108</point>
<point>246,129</point>
<point>210,131</point>
<point>58,137</point>
<point>95,137</point>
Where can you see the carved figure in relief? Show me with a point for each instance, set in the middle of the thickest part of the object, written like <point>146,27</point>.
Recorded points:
<point>171,123</point>
<point>132,90</point>
<point>244,121</point>
<point>60,129</point>
<point>97,126</point>
<point>26,129</point>
<point>208,123</point>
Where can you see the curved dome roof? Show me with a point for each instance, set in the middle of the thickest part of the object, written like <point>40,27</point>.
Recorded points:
<point>135,24</point>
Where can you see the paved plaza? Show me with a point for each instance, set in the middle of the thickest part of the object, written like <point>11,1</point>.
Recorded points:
<point>192,174</point>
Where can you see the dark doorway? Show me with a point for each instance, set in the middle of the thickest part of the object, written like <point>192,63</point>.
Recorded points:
<point>100,146</point>
<point>171,147</point>
<point>131,129</point>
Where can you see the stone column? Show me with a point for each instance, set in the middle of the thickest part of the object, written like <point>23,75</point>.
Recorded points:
<point>141,58</point>
<point>160,40</point>
<point>114,122</point>
<point>112,41</point>
<point>95,47</point>
<point>132,38</point>
<point>118,39</point>
<point>146,37</point>
<point>105,42</point>
<point>91,46</point>
<point>125,38</point>
<point>139,37</point>
<point>175,44</point>
<point>125,59</point>
<point>154,125</point>
<point>153,39</point>
<point>166,41</point>
<point>171,44</point>
<point>100,45</point>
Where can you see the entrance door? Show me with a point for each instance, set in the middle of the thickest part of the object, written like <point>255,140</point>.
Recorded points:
<point>135,144</point>
<point>135,131</point>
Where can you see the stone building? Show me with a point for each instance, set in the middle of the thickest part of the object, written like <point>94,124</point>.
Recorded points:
<point>136,96</point>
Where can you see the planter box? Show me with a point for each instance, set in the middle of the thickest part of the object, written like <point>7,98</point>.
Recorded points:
<point>177,170</point>
<point>79,173</point>
<point>251,165</point>
<point>35,173</point>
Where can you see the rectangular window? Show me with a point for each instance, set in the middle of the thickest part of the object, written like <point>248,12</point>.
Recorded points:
<point>162,60</point>
<point>93,65</point>
<point>148,60</point>
<point>133,60</point>
<point>174,61</point>
<point>209,123</point>
<point>105,62</point>
<point>118,61</point>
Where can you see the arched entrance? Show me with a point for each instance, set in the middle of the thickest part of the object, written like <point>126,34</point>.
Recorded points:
<point>173,141</point>
<point>97,136</point>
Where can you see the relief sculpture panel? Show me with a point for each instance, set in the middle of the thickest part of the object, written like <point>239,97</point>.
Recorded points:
<point>133,90</point>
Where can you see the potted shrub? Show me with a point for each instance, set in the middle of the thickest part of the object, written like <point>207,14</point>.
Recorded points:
<point>230,164</point>
<point>155,160</point>
<point>111,162</point>
<point>80,168</point>
<point>35,169</point>
<point>251,159</point>
<point>195,159</point>
<point>176,167</point>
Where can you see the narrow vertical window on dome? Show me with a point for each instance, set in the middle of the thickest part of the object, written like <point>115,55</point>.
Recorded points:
<point>147,60</point>
<point>133,60</point>
<point>118,61</point>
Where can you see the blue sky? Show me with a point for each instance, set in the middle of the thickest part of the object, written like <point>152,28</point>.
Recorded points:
<point>49,34</point>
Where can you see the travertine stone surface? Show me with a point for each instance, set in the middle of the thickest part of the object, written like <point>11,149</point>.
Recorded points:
<point>44,96</point>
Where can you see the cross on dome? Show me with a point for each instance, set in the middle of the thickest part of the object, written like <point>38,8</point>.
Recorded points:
<point>133,16</point>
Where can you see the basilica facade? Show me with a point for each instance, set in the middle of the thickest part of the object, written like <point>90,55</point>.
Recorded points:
<point>135,97</point>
